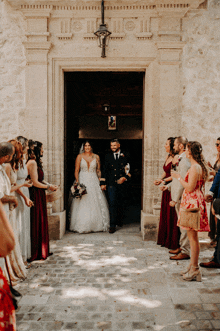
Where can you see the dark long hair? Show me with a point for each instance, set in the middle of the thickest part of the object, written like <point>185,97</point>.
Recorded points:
<point>85,142</point>
<point>196,151</point>
<point>17,159</point>
<point>171,140</point>
<point>34,152</point>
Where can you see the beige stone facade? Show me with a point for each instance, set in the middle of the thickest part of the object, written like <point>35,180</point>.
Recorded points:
<point>175,42</point>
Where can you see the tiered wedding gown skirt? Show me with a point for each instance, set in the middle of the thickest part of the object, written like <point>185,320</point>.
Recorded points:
<point>90,213</point>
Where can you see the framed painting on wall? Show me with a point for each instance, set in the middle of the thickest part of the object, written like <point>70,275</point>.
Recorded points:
<point>112,123</point>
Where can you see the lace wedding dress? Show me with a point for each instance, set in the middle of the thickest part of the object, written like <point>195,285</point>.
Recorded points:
<point>90,213</point>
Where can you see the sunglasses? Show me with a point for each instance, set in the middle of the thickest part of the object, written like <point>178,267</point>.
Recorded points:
<point>217,144</point>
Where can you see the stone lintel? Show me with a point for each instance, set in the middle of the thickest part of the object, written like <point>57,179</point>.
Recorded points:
<point>176,6</point>
<point>149,226</point>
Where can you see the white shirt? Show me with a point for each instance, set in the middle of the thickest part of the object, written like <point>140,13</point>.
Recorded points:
<point>5,186</point>
<point>5,189</point>
<point>117,154</point>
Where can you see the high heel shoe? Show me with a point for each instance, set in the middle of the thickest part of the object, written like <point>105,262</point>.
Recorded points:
<point>183,272</point>
<point>193,275</point>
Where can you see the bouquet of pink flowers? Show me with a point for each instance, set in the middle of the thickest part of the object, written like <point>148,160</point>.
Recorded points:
<point>78,190</point>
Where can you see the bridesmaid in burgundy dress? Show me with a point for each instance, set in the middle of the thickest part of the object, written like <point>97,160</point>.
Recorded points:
<point>168,234</point>
<point>39,223</point>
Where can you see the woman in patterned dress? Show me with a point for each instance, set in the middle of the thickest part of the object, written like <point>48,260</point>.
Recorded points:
<point>193,197</point>
<point>7,243</point>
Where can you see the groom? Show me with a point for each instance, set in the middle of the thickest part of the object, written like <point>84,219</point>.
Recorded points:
<point>114,179</point>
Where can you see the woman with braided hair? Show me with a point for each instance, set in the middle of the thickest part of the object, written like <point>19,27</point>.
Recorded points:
<point>193,197</point>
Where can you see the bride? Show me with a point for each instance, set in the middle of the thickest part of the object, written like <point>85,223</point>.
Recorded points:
<point>90,213</point>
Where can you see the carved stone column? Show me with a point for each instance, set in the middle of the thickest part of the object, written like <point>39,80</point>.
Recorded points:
<point>149,221</point>
<point>37,47</point>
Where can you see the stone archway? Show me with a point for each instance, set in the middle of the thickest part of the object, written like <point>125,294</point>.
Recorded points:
<point>146,36</point>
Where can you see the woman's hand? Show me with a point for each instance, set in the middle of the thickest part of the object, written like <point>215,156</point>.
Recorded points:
<point>209,164</point>
<point>28,183</point>
<point>175,174</point>
<point>163,188</point>
<point>53,187</point>
<point>28,202</point>
<point>157,182</point>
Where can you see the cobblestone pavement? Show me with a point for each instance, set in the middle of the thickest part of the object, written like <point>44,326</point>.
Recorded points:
<point>105,281</point>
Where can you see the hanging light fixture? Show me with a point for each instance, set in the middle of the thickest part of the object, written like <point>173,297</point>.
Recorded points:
<point>102,33</point>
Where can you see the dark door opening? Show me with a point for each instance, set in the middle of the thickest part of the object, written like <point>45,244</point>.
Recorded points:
<point>86,93</point>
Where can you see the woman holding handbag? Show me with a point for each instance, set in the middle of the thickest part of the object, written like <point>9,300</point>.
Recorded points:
<point>193,205</point>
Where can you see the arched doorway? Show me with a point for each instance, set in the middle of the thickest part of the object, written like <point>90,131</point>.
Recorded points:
<point>86,117</point>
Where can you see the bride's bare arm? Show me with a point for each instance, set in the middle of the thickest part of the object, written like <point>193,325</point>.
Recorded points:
<point>77,167</point>
<point>98,168</point>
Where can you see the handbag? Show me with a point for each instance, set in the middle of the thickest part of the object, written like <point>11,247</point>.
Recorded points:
<point>190,218</point>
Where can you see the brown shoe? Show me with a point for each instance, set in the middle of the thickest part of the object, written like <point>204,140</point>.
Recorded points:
<point>211,264</point>
<point>180,256</point>
<point>175,251</point>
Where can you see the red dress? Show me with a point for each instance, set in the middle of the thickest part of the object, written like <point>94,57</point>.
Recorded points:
<point>195,199</point>
<point>7,311</point>
<point>39,223</point>
<point>168,234</point>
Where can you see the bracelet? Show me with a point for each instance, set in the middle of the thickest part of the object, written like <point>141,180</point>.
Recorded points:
<point>179,178</point>
<point>48,186</point>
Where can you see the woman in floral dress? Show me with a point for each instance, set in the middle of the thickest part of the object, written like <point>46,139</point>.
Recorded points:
<point>193,197</point>
<point>7,243</point>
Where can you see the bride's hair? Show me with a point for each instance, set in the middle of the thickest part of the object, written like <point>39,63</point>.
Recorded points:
<point>83,145</point>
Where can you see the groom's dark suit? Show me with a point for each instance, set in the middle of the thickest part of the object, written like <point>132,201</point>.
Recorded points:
<point>114,169</point>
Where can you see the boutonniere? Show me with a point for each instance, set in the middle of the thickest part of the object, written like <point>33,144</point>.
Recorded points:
<point>121,154</point>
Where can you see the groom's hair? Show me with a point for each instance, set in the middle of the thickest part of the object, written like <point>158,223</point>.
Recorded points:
<point>115,141</point>
<point>182,140</point>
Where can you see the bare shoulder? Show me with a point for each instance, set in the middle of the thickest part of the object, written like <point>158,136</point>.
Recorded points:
<point>195,169</point>
<point>79,157</point>
<point>97,157</point>
<point>31,163</point>
<point>198,168</point>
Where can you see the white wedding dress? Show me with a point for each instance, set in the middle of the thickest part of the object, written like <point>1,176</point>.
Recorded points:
<point>90,213</point>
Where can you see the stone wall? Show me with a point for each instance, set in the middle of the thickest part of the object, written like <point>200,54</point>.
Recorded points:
<point>12,72</point>
<point>201,77</point>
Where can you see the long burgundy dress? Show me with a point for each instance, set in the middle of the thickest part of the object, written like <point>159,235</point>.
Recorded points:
<point>168,234</point>
<point>39,223</point>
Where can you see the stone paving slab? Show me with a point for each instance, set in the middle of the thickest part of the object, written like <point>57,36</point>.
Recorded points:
<point>116,282</point>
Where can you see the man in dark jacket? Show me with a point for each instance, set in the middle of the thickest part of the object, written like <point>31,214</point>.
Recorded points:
<point>214,193</point>
<point>115,175</point>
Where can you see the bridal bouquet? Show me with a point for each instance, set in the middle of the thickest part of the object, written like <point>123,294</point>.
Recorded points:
<point>78,190</point>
